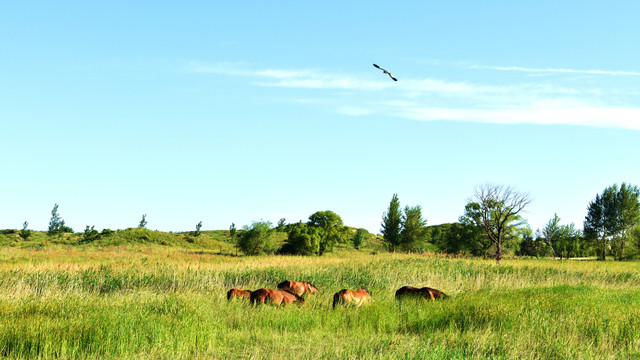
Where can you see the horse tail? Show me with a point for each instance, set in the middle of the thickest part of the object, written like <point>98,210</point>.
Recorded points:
<point>336,300</point>
<point>229,293</point>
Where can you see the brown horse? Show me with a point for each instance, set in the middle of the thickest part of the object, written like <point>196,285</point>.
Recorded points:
<point>355,297</point>
<point>275,297</point>
<point>238,294</point>
<point>297,287</point>
<point>425,293</point>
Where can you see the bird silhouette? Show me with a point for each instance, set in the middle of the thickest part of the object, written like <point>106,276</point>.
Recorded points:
<point>386,72</point>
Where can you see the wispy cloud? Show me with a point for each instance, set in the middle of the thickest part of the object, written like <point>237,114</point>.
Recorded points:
<point>431,99</point>
<point>557,71</point>
<point>627,118</point>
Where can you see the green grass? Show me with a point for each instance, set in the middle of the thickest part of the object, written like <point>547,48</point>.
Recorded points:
<point>168,304</point>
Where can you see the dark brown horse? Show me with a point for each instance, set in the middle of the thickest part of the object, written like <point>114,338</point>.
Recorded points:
<point>275,297</point>
<point>353,297</point>
<point>238,294</point>
<point>297,287</point>
<point>425,293</point>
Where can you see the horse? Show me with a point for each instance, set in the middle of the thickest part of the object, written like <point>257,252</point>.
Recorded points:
<point>275,297</point>
<point>238,294</point>
<point>298,288</point>
<point>425,292</point>
<point>355,297</point>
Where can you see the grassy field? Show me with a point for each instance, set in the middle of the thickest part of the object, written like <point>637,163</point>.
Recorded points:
<point>164,303</point>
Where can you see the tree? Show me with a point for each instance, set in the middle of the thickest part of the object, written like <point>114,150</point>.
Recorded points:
<point>56,224</point>
<point>303,240</point>
<point>392,223</point>
<point>257,239</point>
<point>628,216</point>
<point>496,210</point>
<point>552,234</point>
<point>610,218</point>
<point>332,229</point>
<point>143,222</point>
<point>358,239</point>
<point>90,234</point>
<point>232,232</point>
<point>281,227</point>
<point>198,227</point>
<point>414,229</point>
<point>25,233</point>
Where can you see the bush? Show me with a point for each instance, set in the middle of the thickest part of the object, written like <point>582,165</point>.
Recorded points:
<point>302,240</point>
<point>257,239</point>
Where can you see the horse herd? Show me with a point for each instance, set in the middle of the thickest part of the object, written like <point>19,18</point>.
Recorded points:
<point>290,292</point>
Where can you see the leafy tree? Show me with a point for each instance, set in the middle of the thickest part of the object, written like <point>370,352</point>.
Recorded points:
<point>198,227</point>
<point>282,226</point>
<point>392,224</point>
<point>90,234</point>
<point>414,231</point>
<point>25,233</point>
<point>143,222</point>
<point>458,238</point>
<point>56,223</point>
<point>257,239</point>
<point>303,240</point>
<point>530,244</point>
<point>358,239</point>
<point>496,210</point>
<point>610,218</point>
<point>332,229</point>
<point>552,234</point>
<point>628,216</point>
<point>232,232</point>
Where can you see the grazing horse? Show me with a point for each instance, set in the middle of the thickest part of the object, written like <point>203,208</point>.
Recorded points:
<point>275,297</point>
<point>298,288</point>
<point>355,297</point>
<point>425,292</point>
<point>238,294</point>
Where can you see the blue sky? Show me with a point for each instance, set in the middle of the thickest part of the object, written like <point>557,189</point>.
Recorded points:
<point>233,113</point>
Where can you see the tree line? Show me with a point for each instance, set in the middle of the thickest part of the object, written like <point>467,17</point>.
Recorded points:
<point>491,226</point>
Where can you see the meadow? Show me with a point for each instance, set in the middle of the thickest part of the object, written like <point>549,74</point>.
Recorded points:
<point>157,302</point>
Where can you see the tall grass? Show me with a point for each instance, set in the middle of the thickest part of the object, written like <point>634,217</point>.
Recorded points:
<point>172,305</point>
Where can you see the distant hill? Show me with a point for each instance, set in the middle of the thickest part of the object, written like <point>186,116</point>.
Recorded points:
<point>218,241</point>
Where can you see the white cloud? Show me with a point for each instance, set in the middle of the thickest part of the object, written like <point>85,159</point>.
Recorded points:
<point>627,118</point>
<point>433,99</point>
<point>560,71</point>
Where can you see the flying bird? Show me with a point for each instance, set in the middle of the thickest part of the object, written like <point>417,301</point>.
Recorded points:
<point>386,72</point>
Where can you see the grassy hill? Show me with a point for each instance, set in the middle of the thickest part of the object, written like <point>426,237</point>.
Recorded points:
<point>217,241</point>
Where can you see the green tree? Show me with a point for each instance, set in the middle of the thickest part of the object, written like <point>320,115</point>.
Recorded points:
<point>414,231</point>
<point>143,222</point>
<point>56,224</point>
<point>198,227</point>
<point>358,238</point>
<point>496,210</point>
<point>392,224</point>
<point>303,240</point>
<point>257,239</point>
<point>90,234</point>
<point>282,226</point>
<point>332,229</point>
<point>610,218</point>
<point>552,233</point>
<point>458,238</point>
<point>25,233</point>
<point>232,232</point>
